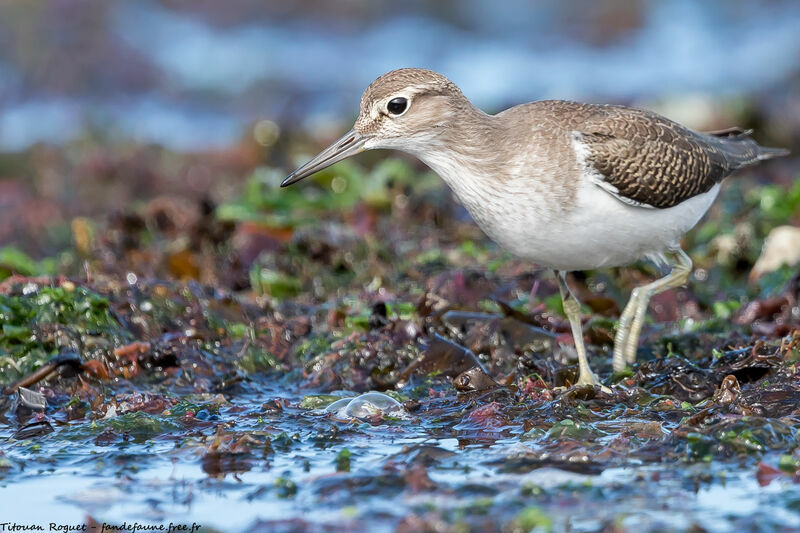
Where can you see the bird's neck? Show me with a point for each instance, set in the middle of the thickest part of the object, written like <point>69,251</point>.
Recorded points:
<point>466,157</point>
<point>469,154</point>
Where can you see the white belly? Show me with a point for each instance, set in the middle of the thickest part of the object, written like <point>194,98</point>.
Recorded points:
<point>597,231</point>
<point>600,232</point>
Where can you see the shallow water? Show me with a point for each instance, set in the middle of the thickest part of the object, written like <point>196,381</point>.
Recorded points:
<point>163,479</point>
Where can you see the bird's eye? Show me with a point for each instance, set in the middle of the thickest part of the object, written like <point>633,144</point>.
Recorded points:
<point>396,106</point>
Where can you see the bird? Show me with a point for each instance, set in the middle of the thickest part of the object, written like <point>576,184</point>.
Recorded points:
<point>568,186</point>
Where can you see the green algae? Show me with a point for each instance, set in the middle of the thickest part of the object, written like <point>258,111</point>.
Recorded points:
<point>141,426</point>
<point>256,359</point>
<point>532,519</point>
<point>43,320</point>
<point>343,460</point>
<point>15,261</point>
<point>318,401</point>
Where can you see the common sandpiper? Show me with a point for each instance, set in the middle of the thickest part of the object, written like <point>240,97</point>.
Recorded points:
<point>565,185</point>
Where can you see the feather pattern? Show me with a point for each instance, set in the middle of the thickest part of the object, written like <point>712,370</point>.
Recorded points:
<point>647,160</point>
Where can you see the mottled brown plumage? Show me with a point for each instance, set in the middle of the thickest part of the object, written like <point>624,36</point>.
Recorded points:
<point>656,162</point>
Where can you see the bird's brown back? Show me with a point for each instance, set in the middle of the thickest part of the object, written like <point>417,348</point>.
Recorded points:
<point>646,159</point>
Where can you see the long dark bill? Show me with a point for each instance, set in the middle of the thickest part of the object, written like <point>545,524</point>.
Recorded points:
<point>351,143</point>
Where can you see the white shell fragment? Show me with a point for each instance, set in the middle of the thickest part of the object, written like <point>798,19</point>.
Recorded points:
<point>782,247</point>
<point>368,404</point>
<point>338,405</point>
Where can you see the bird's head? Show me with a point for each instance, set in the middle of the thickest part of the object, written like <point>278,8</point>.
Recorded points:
<point>408,109</point>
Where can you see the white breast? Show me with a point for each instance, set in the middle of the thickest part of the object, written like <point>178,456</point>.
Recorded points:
<point>596,231</point>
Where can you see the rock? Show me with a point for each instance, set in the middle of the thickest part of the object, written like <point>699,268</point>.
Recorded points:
<point>782,247</point>
<point>474,379</point>
<point>442,355</point>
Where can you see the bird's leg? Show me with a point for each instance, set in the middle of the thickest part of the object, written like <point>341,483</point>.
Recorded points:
<point>623,330</point>
<point>630,322</point>
<point>679,275</point>
<point>572,308</point>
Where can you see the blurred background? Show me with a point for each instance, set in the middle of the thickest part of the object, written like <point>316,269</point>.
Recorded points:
<point>113,112</point>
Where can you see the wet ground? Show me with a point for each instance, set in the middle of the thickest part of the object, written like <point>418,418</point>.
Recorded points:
<point>195,363</point>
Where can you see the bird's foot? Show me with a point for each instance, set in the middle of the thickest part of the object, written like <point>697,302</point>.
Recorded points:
<point>588,379</point>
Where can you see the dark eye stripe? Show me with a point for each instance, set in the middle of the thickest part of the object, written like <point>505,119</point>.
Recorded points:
<point>397,105</point>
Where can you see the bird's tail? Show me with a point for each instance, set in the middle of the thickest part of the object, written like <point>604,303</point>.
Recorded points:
<point>765,152</point>
<point>741,150</point>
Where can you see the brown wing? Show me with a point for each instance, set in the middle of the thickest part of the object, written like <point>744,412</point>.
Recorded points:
<point>647,160</point>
